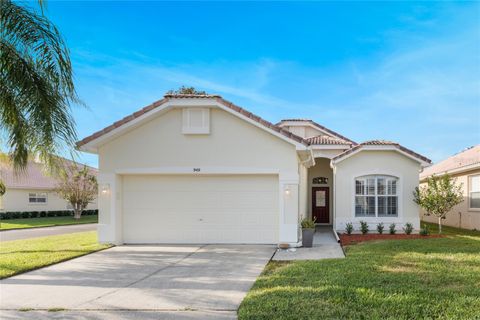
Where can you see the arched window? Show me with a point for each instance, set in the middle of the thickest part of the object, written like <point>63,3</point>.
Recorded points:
<point>376,196</point>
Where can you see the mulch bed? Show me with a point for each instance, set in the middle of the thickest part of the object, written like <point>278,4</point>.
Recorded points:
<point>346,239</point>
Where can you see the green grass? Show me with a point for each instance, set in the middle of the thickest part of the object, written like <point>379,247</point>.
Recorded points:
<point>45,222</point>
<point>433,228</point>
<point>22,255</point>
<point>435,278</point>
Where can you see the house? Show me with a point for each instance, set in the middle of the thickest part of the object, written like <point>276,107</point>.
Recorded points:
<point>32,190</point>
<point>199,169</point>
<point>464,167</point>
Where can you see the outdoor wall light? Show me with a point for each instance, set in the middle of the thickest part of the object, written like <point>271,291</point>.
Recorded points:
<point>287,191</point>
<point>105,188</point>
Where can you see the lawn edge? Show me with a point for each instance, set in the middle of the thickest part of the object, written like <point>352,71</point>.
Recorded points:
<point>49,226</point>
<point>56,262</point>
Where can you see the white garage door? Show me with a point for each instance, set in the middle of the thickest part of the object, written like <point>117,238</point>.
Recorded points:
<point>200,209</point>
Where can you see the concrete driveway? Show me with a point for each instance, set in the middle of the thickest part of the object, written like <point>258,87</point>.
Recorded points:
<point>139,282</point>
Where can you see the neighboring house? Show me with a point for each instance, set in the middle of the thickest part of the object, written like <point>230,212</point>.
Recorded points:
<point>464,167</point>
<point>199,169</point>
<point>32,190</point>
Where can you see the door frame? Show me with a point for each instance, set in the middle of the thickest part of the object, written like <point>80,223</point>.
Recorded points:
<point>327,198</point>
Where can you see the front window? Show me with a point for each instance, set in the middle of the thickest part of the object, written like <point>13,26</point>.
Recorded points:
<point>37,198</point>
<point>475,192</point>
<point>376,196</point>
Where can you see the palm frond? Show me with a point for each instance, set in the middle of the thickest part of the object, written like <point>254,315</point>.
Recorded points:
<point>36,85</point>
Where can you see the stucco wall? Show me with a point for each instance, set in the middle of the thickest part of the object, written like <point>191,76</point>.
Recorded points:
<point>377,163</point>
<point>17,200</point>
<point>231,143</point>
<point>461,216</point>
<point>321,169</point>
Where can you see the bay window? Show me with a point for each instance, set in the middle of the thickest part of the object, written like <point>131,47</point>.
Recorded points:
<point>376,196</point>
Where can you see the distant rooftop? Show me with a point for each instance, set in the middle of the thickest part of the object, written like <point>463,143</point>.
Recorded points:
<point>469,158</point>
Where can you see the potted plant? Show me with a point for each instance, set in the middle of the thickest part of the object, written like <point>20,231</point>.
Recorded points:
<point>308,229</point>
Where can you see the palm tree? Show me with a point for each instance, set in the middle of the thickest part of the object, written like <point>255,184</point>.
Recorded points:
<point>36,86</point>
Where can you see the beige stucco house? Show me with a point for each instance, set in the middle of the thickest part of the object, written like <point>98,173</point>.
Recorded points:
<point>464,167</point>
<point>199,169</point>
<point>32,190</point>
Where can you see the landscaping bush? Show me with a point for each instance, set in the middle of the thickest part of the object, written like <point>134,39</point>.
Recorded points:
<point>42,214</point>
<point>408,228</point>
<point>424,231</point>
<point>392,228</point>
<point>363,227</point>
<point>380,228</point>
<point>349,228</point>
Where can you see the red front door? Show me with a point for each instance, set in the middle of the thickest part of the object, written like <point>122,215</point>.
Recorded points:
<point>320,204</point>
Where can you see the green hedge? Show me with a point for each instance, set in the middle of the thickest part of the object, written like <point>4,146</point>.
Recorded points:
<point>42,214</point>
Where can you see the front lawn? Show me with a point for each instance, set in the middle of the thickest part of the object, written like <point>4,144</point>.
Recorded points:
<point>23,255</point>
<point>394,279</point>
<point>45,222</point>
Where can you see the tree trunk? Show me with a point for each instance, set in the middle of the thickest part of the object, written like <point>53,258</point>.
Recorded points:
<point>439,225</point>
<point>77,213</point>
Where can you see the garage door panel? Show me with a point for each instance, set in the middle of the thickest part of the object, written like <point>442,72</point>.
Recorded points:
<point>200,209</point>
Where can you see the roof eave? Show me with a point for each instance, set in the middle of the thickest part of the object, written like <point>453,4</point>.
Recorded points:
<point>358,148</point>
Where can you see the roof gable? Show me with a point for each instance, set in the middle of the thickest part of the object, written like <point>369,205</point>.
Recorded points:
<point>324,130</point>
<point>185,100</point>
<point>382,145</point>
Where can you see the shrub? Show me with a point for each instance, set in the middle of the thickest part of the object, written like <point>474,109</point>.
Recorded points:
<point>41,214</point>
<point>392,228</point>
<point>424,231</point>
<point>380,228</point>
<point>349,228</point>
<point>363,227</point>
<point>308,223</point>
<point>408,228</point>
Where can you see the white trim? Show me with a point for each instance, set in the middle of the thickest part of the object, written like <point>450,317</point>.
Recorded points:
<point>376,219</point>
<point>36,197</point>
<point>469,187</point>
<point>199,170</point>
<point>330,146</point>
<point>307,123</point>
<point>380,148</point>
<point>92,146</point>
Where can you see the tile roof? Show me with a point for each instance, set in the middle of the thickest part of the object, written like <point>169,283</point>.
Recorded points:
<point>383,143</point>
<point>323,128</point>
<point>34,177</point>
<point>324,139</point>
<point>218,98</point>
<point>467,158</point>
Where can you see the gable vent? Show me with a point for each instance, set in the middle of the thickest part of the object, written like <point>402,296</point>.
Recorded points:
<point>196,121</point>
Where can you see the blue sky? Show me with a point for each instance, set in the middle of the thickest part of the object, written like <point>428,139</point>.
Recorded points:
<point>402,71</point>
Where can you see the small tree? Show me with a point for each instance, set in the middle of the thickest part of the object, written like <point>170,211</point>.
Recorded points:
<point>78,186</point>
<point>438,197</point>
